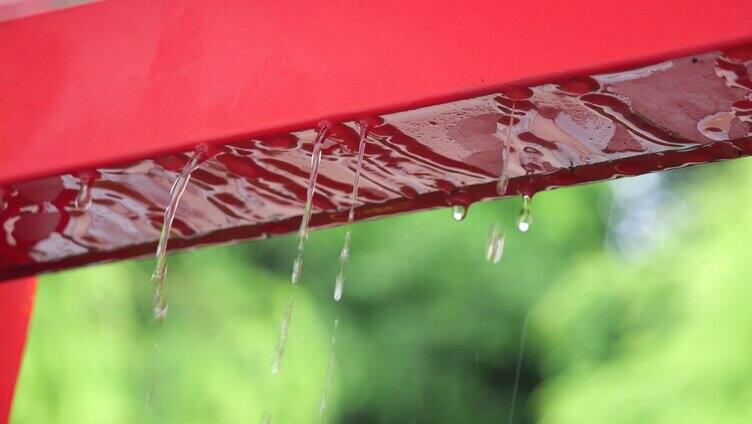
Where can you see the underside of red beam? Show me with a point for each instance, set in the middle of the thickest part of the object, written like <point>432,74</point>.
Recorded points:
<point>16,303</point>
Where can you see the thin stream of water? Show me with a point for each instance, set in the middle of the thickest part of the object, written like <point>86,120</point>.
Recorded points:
<point>518,370</point>
<point>496,237</point>
<point>303,231</point>
<point>344,255</point>
<point>160,270</point>
<point>284,327</point>
<point>495,246</point>
<point>329,373</point>
<point>153,382</point>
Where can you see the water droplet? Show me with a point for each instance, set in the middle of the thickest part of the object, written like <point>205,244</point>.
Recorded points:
<point>525,218</point>
<point>344,255</point>
<point>306,219</point>
<point>83,197</point>
<point>339,284</point>
<point>495,247</point>
<point>284,326</point>
<point>459,212</point>
<point>160,270</point>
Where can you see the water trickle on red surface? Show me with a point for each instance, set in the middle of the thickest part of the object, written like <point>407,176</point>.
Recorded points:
<point>571,131</point>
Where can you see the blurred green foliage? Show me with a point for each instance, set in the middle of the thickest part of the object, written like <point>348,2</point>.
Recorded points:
<point>429,331</point>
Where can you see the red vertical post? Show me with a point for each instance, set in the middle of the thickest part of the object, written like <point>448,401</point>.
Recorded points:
<point>16,302</point>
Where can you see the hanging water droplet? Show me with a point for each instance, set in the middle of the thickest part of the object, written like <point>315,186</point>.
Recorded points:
<point>297,266</point>
<point>345,253</point>
<point>160,270</point>
<point>495,247</point>
<point>284,326</point>
<point>525,218</point>
<point>83,197</point>
<point>459,212</point>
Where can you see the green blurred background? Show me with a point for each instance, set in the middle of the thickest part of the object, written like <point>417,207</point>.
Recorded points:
<point>637,293</point>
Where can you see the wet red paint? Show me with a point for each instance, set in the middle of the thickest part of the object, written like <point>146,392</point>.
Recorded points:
<point>569,132</point>
<point>16,304</point>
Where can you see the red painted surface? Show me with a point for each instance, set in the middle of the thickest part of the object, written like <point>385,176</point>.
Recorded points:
<point>127,79</point>
<point>16,302</point>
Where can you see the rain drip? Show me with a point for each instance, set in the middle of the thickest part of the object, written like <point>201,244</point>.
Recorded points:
<point>344,255</point>
<point>160,270</point>
<point>305,220</point>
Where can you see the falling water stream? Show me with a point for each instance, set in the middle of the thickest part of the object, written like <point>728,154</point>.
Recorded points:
<point>518,370</point>
<point>284,327</point>
<point>345,253</point>
<point>329,373</point>
<point>495,245</point>
<point>160,270</point>
<point>279,353</point>
<point>303,231</point>
<point>494,251</point>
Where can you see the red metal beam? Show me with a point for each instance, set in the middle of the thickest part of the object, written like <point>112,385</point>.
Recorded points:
<point>117,90</point>
<point>16,303</point>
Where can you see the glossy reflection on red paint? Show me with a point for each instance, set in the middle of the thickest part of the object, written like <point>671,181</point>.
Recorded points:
<point>572,131</point>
